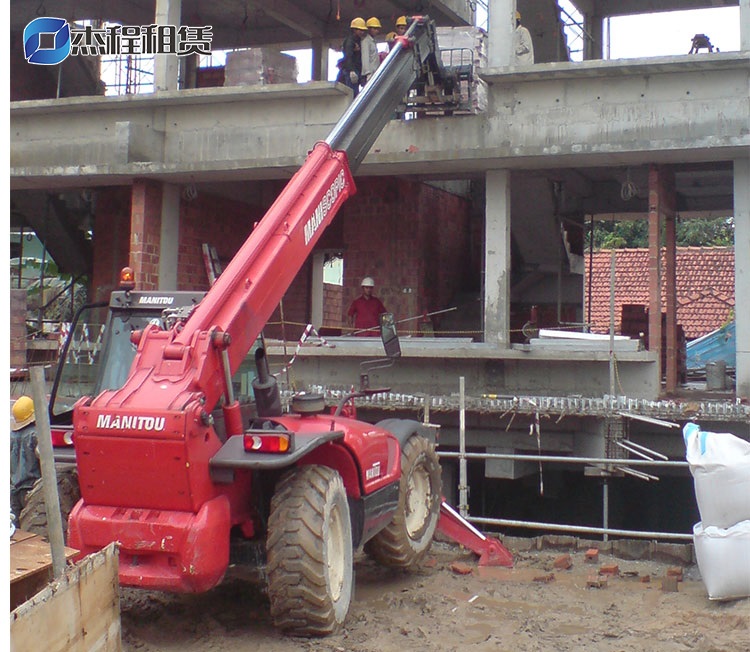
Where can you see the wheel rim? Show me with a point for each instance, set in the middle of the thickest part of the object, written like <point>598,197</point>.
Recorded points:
<point>335,552</point>
<point>418,497</point>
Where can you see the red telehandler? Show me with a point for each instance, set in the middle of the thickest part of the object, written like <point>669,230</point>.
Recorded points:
<point>295,492</point>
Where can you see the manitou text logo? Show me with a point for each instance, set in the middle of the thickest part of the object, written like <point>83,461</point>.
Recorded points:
<point>156,301</point>
<point>134,422</point>
<point>324,206</point>
<point>48,41</point>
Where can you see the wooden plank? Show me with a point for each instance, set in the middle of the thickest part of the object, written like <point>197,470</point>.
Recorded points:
<point>30,565</point>
<point>78,613</point>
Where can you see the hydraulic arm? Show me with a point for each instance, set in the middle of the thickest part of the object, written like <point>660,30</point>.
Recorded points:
<point>190,363</point>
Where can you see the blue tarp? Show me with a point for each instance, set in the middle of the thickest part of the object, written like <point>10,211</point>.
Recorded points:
<point>718,345</point>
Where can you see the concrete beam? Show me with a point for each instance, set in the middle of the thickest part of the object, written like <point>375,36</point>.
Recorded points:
<point>595,113</point>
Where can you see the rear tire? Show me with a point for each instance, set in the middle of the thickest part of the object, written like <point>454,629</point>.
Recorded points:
<point>33,517</point>
<point>407,538</point>
<point>310,556</point>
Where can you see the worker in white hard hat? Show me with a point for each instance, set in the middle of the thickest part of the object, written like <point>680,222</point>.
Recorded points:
<point>24,461</point>
<point>522,43</point>
<point>350,64</point>
<point>364,312</point>
<point>370,57</point>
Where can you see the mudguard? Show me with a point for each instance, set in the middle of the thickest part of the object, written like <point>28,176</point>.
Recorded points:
<point>402,429</point>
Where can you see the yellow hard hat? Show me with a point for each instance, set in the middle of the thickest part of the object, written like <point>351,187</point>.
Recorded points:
<point>518,15</point>
<point>401,20</point>
<point>23,413</point>
<point>390,36</point>
<point>373,22</point>
<point>358,23</point>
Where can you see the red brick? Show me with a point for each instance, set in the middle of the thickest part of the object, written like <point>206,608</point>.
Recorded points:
<point>609,569</point>
<point>592,555</point>
<point>461,569</point>
<point>563,562</point>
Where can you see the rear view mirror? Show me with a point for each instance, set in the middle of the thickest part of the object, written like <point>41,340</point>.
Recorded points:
<point>389,336</point>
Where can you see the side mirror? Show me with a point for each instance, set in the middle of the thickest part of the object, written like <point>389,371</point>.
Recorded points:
<point>389,336</point>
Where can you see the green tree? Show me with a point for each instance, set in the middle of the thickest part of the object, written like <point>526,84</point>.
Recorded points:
<point>633,234</point>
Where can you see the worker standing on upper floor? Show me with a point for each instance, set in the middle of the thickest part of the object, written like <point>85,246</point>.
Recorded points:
<point>401,25</point>
<point>523,45</point>
<point>364,312</point>
<point>350,65</point>
<point>370,57</point>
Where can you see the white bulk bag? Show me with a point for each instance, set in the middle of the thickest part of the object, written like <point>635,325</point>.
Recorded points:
<point>724,559</point>
<point>720,464</point>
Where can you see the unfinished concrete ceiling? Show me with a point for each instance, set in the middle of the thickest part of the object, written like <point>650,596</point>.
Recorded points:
<point>610,8</point>
<point>253,23</point>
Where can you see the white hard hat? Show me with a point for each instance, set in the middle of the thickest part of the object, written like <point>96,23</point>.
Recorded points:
<point>367,282</point>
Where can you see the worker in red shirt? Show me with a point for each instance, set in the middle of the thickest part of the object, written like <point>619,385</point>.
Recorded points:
<point>364,313</point>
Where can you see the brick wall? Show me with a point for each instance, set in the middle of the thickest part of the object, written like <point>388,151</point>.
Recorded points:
<point>17,328</point>
<point>220,222</point>
<point>111,240</point>
<point>333,307</point>
<point>412,239</point>
<point>145,233</point>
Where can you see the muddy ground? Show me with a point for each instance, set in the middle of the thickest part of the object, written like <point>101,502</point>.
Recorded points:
<point>451,604</point>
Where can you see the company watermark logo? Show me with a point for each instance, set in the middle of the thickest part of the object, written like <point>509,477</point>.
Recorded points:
<point>49,41</point>
<point>46,41</point>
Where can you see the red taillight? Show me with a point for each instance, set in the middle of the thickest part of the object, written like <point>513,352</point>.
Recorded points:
<point>61,437</point>
<point>267,442</point>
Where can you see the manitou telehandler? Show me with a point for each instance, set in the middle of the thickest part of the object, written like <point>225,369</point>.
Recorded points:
<point>303,490</point>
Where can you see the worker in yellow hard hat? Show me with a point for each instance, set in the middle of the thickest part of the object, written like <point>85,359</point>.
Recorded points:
<point>390,37</point>
<point>24,461</point>
<point>370,58</point>
<point>350,64</point>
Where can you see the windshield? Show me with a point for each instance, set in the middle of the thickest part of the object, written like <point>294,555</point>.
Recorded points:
<point>99,355</point>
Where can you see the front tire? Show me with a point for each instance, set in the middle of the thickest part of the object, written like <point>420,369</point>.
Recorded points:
<point>310,556</point>
<point>407,538</point>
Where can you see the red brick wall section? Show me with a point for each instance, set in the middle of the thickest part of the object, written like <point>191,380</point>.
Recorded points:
<point>17,328</point>
<point>333,305</point>
<point>111,240</point>
<point>223,223</point>
<point>145,233</point>
<point>412,239</point>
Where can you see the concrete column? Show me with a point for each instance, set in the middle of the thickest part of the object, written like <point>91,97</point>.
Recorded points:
<point>744,24</point>
<point>497,258</point>
<point>654,264</point>
<point>593,45</point>
<point>167,66</point>
<point>319,60</point>
<point>742,273</point>
<point>169,236</point>
<point>670,269</point>
<point>145,233</point>
<point>501,23</point>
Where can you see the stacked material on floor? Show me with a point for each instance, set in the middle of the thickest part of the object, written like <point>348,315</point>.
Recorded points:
<point>465,49</point>
<point>259,66</point>
<point>720,464</point>
<point>550,339</point>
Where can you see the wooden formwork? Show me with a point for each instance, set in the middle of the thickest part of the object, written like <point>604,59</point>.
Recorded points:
<point>79,612</point>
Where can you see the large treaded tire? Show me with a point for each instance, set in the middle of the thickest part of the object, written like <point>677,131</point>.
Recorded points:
<point>33,517</point>
<point>407,538</point>
<point>309,550</point>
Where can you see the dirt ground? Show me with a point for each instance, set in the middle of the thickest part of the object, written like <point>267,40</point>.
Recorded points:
<point>451,604</point>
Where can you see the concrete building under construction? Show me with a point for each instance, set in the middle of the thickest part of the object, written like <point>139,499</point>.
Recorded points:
<point>471,217</point>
